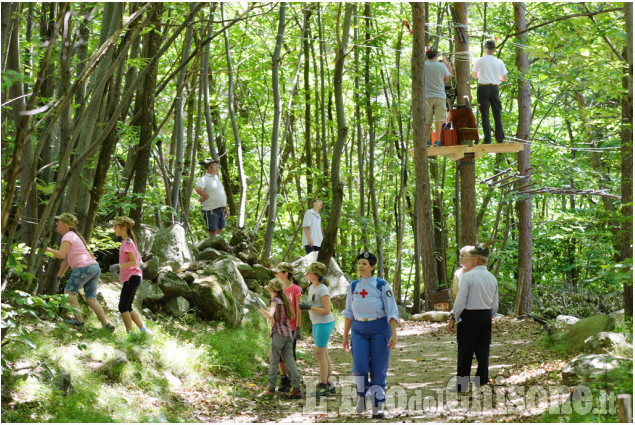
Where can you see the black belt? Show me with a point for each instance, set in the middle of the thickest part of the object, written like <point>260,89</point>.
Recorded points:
<point>488,85</point>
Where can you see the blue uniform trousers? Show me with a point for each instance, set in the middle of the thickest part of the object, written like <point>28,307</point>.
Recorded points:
<point>369,344</point>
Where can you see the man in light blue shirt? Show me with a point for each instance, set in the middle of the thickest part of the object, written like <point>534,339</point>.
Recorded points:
<point>436,75</point>
<point>475,305</point>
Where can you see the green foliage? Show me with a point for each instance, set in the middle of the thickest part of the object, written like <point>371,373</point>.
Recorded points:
<point>550,301</point>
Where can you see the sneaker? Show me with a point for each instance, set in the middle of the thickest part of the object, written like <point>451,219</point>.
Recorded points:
<point>437,144</point>
<point>74,322</point>
<point>332,388</point>
<point>295,393</point>
<point>268,392</point>
<point>322,390</point>
<point>110,327</point>
<point>378,411</point>
<point>428,143</point>
<point>146,331</point>
<point>285,384</point>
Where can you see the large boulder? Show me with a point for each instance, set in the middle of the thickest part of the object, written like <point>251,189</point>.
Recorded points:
<point>230,276</point>
<point>587,327</point>
<point>246,271</point>
<point>151,268</point>
<point>171,247</point>
<point>608,343</point>
<point>216,242</point>
<point>563,323</point>
<point>261,273</point>
<point>618,316</point>
<point>172,285</point>
<point>214,300</point>
<point>145,237</point>
<point>586,368</point>
<point>150,292</point>
<point>338,283</point>
<point>432,316</point>
<point>177,307</point>
<point>208,254</point>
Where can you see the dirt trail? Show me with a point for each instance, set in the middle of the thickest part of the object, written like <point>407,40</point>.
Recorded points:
<point>420,369</point>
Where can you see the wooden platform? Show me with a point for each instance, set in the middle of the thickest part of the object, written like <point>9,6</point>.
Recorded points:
<point>458,151</point>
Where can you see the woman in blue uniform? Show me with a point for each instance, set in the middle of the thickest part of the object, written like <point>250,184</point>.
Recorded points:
<point>371,314</point>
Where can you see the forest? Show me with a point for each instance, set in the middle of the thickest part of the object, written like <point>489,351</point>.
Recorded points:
<point>108,109</point>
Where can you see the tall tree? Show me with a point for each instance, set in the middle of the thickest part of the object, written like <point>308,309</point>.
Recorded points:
<point>144,103</point>
<point>275,131</point>
<point>522,304</point>
<point>423,202</point>
<point>368,92</point>
<point>469,230</point>
<point>626,250</point>
<point>179,132</point>
<point>330,235</point>
<point>232,115</point>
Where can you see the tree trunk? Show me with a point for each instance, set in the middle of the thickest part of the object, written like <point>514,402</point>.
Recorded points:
<point>232,115</point>
<point>360,144</point>
<point>77,198</point>
<point>205,87</point>
<point>144,106</point>
<point>307,100</point>
<point>469,229</point>
<point>423,203</point>
<point>368,92</point>
<point>330,236</point>
<point>179,135</point>
<point>322,102</point>
<point>626,242</point>
<point>523,206</point>
<point>275,131</point>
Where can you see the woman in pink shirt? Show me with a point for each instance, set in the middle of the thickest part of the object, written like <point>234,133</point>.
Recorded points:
<point>130,273</point>
<point>75,254</point>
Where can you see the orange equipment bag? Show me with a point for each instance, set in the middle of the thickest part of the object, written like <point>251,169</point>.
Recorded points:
<point>448,135</point>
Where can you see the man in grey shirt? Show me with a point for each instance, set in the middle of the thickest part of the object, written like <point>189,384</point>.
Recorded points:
<point>436,75</point>
<point>475,305</point>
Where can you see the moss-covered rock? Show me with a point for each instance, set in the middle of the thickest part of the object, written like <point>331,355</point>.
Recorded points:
<point>587,327</point>
<point>172,285</point>
<point>151,268</point>
<point>171,247</point>
<point>150,292</point>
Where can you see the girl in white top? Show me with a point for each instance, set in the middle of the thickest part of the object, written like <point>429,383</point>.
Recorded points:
<point>319,308</point>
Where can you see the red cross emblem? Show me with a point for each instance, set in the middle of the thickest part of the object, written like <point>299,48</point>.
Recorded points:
<point>363,293</point>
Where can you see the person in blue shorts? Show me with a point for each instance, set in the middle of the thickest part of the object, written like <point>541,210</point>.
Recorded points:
<point>213,198</point>
<point>319,308</point>
<point>371,314</point>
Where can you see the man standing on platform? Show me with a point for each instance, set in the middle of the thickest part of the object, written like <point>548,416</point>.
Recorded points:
<point>475,305</point>
<point>436,74</point>
<point>490,71</point>
<point>212,197</point>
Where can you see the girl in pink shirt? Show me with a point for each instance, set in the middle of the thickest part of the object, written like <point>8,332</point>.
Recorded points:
<point>130,273</point>
<point>75,254</point>
<point>292,290</point>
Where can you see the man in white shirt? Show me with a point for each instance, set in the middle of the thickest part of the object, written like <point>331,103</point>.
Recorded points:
<point>213,197</point>
<point>490,71</point>
<point>475,305</point>
<point>312,228</point>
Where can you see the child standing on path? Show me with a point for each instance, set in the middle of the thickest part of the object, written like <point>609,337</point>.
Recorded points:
<point>130,273</point>
<point>292,290</point>
<point>281,346</point>
<point>319,308</point>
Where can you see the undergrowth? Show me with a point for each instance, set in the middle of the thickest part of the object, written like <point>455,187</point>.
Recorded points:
<point>129,378</point>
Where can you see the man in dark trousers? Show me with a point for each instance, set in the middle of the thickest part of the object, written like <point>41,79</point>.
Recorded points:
<point>475,305</point>
<point>490,71</point>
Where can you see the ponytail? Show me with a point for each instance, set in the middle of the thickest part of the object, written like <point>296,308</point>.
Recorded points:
<point>287,304</point>
<point>325,281</point>
<point>73,229</point>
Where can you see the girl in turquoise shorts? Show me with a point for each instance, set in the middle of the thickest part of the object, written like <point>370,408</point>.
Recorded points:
<point>319,308</point>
